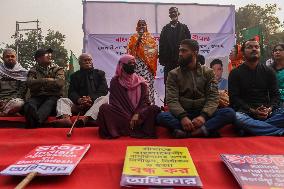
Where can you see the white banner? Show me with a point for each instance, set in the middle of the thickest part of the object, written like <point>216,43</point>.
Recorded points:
<point>106,50</point>
<point>106,35</point>
<point>122,17</point>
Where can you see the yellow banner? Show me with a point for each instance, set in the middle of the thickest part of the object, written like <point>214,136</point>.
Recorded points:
<point>158,161</point>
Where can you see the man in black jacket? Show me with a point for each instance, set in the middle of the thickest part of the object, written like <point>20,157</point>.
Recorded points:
<point>171,36</point>
<point>87,91</point>
<point>254,94</point>
<point>46,82</point>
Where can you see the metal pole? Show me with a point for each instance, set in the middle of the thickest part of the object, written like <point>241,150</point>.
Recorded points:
<point>84,26</point>
<point>156,17</point>
<point>17,43</point>
<point>17,33</point>
<point>37,35</point>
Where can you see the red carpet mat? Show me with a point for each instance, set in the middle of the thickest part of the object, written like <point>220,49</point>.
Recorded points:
<point>102,165</point>
<point>19,122</point>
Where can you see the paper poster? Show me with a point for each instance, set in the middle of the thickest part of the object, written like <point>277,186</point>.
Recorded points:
<point>256,171</point>
<point>49,160</point>
<point>159,166</point>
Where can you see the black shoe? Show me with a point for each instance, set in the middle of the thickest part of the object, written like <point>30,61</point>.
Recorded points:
<point>81,122</point>
<point>214,135</point>
<point>31,118</point>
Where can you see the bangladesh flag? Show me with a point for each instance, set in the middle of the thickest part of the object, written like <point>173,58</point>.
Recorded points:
<point>73,64</point>
<point>254,32</point>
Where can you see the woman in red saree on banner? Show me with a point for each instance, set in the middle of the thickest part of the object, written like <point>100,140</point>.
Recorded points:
<point>129,112</point>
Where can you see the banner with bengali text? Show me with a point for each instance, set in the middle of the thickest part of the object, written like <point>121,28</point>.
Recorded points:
<point>159,166</point>
<point>256,171</point>
<point>106,50</point>
<point>49,160</point>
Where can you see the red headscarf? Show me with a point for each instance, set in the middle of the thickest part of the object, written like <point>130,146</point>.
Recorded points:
<point>236,58</point>
<point>131,82</point>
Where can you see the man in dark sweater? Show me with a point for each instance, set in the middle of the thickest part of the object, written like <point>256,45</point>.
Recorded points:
<point>254,95</point>
<point>86,93</point>
<point>171,36</point>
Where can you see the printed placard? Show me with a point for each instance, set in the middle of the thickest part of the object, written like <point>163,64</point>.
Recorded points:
<point>256,171</point>
<point>159,166</point>
<point>49,160</point>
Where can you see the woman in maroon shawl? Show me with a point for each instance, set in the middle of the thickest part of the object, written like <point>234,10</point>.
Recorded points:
<point>129,112</point>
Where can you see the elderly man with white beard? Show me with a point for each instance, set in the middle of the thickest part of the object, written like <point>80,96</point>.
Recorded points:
<point>12,84</point>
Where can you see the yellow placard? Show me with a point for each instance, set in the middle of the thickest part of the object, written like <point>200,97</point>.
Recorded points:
<point>158,161</point>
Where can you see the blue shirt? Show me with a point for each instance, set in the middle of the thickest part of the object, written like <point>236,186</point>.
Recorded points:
<point>223,84</point>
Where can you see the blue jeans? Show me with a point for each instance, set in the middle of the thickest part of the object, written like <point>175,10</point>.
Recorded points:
<point>219,119</point>
<point>273,126</point>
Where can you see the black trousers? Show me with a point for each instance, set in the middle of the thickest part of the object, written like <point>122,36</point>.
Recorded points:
<point>37,109</point>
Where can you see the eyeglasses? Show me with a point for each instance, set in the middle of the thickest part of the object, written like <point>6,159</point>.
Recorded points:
<point>280,50</point>
<point>48,54</point>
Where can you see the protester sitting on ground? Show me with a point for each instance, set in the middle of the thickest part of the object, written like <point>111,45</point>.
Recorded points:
<point>12,84</point>
<point>193,98</point>
<point>45,81</point>
<point>86,93</point>
<point>255,96</point>
<point>278,66</point>
<point>142,45</point>
<point>129,112</point>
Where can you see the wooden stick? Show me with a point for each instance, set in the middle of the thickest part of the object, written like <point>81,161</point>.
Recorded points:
<point>69,134</point>
<point>26,180</point>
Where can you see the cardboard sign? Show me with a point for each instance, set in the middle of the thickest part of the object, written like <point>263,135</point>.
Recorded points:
<point>49,160</point>
<point>159,166</point>
<point>256,171</point>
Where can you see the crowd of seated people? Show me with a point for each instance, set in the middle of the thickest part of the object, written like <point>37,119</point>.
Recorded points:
<point>199,101</point>
<point>197,105</point>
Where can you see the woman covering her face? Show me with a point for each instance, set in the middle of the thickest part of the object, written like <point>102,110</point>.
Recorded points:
<point>129,112</point>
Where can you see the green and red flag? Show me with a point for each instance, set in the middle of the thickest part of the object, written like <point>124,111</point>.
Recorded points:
<point>73,65</point>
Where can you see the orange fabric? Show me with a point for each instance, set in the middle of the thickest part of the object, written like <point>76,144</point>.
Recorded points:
<point>147,50</point>
<point>236,61</point>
